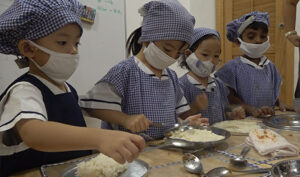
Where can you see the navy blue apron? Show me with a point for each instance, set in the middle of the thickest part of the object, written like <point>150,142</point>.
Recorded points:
<point>61,108</point>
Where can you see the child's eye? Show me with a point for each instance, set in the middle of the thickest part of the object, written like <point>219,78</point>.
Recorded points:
<point>62,42</point>
<point>217,56</point>
<point>263,37</point>
<point>204,54</point>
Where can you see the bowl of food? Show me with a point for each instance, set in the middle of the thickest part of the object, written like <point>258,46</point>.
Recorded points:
<point>199,136</point>
<point>287,168</point>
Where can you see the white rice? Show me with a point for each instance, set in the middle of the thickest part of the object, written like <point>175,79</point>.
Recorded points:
<point>100,166</point>
<point>197,135</point>
<point>238,126</point>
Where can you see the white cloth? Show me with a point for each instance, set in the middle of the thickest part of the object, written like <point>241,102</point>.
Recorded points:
<point>267,142</point>
<point>106,91</point>
<point>263,61</point>
<point>210,83</point>
<point>22,101</point>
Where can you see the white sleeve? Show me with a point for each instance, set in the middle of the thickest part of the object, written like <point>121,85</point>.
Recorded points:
<point>102,96</point>
<point>22,101</point>
<point>182,106</point>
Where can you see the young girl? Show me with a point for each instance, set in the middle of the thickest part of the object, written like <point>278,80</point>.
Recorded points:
<point>201,60</point>
<point>40,119</point>
<point>253,80</point>
<point>141,90</point>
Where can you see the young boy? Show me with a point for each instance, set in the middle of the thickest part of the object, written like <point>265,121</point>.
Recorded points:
<point>253,80</point>
<point>40,119</point>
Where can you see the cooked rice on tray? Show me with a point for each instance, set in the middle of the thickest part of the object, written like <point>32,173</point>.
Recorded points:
<point>100,166</point>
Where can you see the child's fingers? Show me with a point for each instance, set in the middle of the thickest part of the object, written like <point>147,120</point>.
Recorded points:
<point>117,157</point>
<point>138,141</point>
<point>196,116</point>
<point>133,149</point>
<point>126,154</point>
<point>204,120</point>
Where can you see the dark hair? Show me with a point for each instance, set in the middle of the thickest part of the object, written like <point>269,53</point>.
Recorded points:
<point>132,44</point>
<point>194,47</point>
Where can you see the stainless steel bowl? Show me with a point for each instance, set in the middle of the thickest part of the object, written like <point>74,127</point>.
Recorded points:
<point>198,145</point>
<point>287,168</point>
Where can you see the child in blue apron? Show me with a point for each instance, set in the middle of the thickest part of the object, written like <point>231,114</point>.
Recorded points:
<point>253,80</point>
<point>201,60</point>
<point>142,90</point>
<point>40,119</point>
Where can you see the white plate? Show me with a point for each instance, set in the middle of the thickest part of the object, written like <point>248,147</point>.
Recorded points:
<point>235,126</point>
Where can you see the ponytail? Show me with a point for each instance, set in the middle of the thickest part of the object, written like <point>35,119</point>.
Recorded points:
<point>132,44</point>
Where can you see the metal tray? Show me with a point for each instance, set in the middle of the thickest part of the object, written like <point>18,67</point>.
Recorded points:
<point>284,121</point>
<point>137,168</point>
<point>287,168</point>
<point>237,133</point>
<point>198,145</point>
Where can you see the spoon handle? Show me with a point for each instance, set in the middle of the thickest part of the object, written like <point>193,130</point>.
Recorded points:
<point>245,151</point>
<point>259,170</point>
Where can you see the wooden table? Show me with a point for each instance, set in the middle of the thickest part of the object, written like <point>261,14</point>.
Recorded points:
<point>157,159</point>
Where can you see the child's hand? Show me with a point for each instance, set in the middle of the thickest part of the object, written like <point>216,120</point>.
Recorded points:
<point>238,113</point>
<point>294,39</point>
<point>197,120</point>
<point>284,107</point>
<point>136,123</point>
<point>121,146</point>
<point>262,111</point>
<point>202,101</point>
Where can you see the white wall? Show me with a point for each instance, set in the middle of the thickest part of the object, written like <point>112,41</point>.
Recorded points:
<point>202,10</point>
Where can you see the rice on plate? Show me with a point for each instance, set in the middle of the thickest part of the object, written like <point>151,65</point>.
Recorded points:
<point>196,135</point>
<point>100,166</point>
<point>238,126</point>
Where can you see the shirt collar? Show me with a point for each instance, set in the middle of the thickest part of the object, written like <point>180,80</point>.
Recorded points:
<point>210,86</point>
<point>145,69</point>
<point>53,88</point>
<point>263,61</point>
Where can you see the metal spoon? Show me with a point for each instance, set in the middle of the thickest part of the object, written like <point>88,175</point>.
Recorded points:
<point>223,171</point>
<point>173,144</point>
<point>240,161</point>
<point>193,165</point>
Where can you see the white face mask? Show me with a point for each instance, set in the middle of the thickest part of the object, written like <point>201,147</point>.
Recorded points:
<point>157,58</point>
<point>200,68</point>
<point>60,66</point>
<point>254,50</point>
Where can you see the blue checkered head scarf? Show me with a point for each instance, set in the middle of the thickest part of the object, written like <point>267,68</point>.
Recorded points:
<point>201,32</point>
<point>166,20</point>
<point>35,19</point>
<point>236,27</point>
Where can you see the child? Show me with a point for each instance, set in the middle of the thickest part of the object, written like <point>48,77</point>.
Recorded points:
<point>253,80</point>
<point>141,90</point>
<point>40,119</point>
<point>201,60</point>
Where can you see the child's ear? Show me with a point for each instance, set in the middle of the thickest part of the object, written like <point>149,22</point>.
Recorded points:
<point>26,49</point>
<point>237,42</point>
<point>187,53</point>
